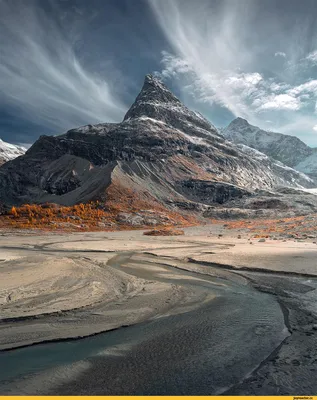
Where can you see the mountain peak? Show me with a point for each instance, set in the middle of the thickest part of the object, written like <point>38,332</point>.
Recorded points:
<point>157,102</point>
<point>239,121</point>
<point>151,79</point>
<point>155,89</point>
<point>153,93</point>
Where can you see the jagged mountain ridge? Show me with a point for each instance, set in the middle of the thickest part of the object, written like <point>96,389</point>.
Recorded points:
<point>161,150</point>
<point>9,151</point>
<point>287,149</point>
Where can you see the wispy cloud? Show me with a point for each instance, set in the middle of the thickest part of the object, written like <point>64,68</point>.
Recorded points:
<point>307,87</point>
<point>245,94</point>
<point>40,75</point>
<point>280,54</point>
<point>312,57</point>
<point>223,53</point>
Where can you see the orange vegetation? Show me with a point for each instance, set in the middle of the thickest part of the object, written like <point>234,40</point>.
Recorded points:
<point>96,215</point>
<point>294,226</point>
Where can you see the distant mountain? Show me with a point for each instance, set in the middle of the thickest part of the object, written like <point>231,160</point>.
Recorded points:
<point>161,153</point>
<point>288,149</point>
<point>309,165</point>
<point>9,151</point>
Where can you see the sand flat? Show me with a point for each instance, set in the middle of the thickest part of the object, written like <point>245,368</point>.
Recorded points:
<point>288,257</point>
<point>83,283</point>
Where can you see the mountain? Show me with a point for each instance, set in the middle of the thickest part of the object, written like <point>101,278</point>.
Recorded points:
<point>162,154</point>
<point>9,151</point>
<point>309,165</point>
<point>275,166</point>
<point>288,149</point>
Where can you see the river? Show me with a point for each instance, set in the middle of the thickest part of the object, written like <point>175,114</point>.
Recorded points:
<point>202,351</point>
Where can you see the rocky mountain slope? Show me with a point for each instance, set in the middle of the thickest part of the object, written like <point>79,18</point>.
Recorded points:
<point>9,151</point>
<point>288,149</point>
<point>309,165</point>
<point>162,152</point>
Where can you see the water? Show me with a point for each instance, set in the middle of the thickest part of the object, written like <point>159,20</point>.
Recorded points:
<point>204,351</point>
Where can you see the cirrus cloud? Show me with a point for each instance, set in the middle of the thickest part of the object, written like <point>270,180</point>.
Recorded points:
<point>223,54</point>
<point>41,76</point>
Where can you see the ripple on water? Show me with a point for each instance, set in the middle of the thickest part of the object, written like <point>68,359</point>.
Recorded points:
<point>198,352</point>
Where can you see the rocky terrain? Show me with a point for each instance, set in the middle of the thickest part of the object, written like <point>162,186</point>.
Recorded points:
<point>285,148</point>
<point>163,153</point>
<point>9,151</point>
<point>309,165</point>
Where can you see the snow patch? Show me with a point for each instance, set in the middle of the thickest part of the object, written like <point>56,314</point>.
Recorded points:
<point>10,151</point>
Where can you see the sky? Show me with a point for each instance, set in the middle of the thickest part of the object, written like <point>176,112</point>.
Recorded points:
<point>66,63</point>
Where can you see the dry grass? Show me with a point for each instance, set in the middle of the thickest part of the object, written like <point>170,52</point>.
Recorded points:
<point>164,232</point>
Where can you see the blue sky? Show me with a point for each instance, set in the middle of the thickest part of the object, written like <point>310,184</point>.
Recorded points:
<point>66,63</point>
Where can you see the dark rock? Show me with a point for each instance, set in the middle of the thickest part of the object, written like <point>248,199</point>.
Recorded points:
<point>211,192</point>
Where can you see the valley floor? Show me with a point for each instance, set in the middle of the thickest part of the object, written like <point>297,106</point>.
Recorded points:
<point>239,310</point>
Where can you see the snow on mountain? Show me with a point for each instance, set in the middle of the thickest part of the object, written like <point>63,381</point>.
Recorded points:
<point>312,191</point>
<point>288,149</point>
<point>290,175</point>
<point>156,101</point>
<point>9,151</point>
<point>309,164</point>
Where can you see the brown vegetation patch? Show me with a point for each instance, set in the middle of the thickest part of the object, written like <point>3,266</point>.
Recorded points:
<point>164,232</point>
<point>292,226</point>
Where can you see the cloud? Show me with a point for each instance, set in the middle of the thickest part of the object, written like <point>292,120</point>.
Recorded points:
<point>312,57</point>
<point>244,93</point>
<point>278,102</point>
<point>315,128</point>
<point>307,87</point>
<point>41,77</point>
<point>243,81</point>
<point>227,88</point>
<point>280,54</point>
<point>221,54</point>
<point>278,87</point>
<point>173,65</point>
